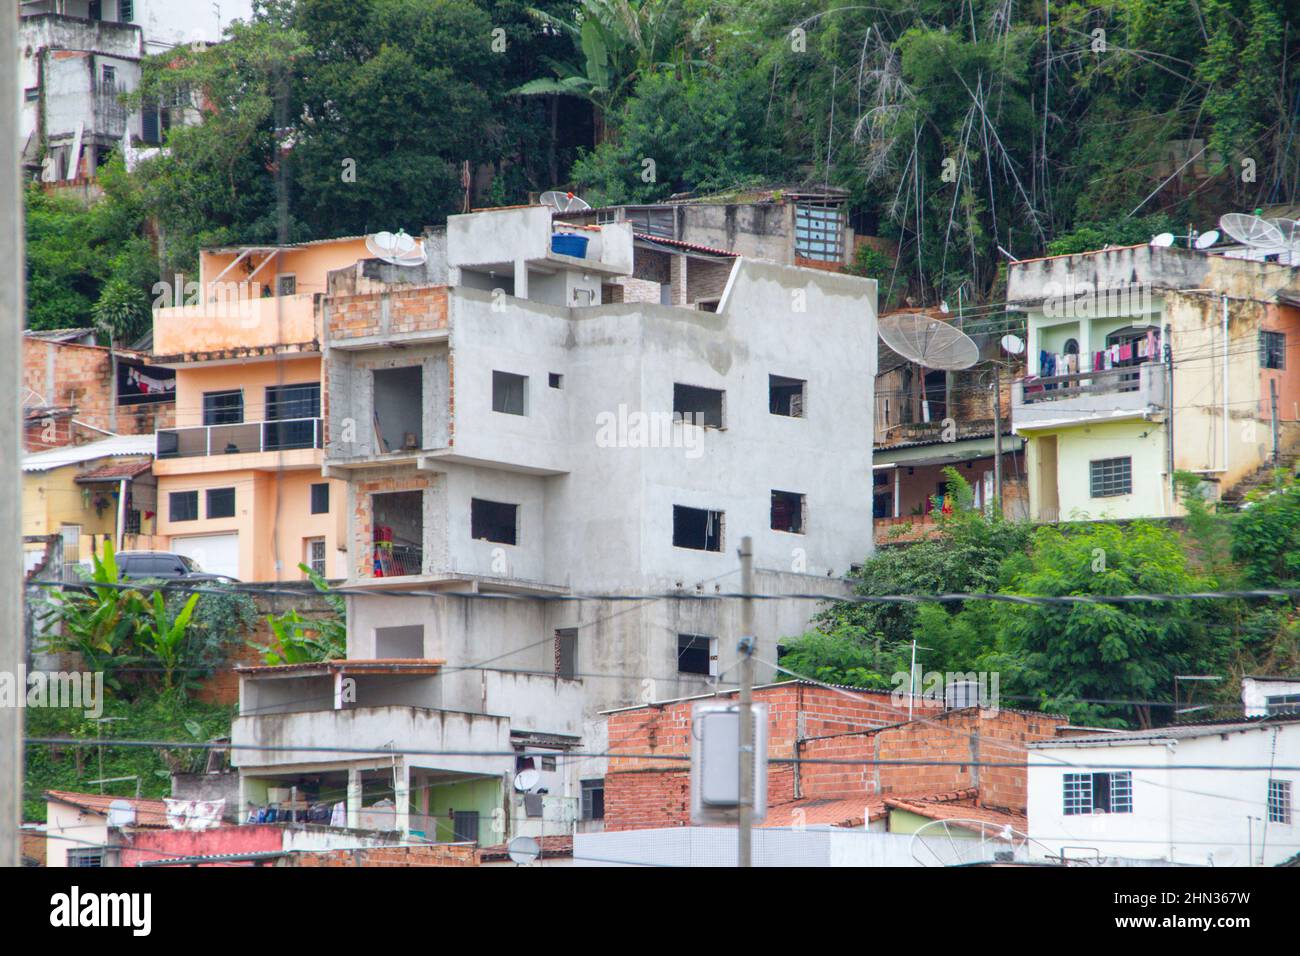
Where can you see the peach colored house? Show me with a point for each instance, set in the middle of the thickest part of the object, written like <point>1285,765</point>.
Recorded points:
<point>240,487</point>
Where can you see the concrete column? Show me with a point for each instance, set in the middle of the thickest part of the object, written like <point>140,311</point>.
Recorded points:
<point>402,796</point>
<point>354,798</point>
<point>521,279</point>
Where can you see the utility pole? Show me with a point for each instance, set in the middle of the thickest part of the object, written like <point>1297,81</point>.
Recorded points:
<point>1272,401</point>
<point>745,824</point>
<point>11,560</point>
<point>997,439</point>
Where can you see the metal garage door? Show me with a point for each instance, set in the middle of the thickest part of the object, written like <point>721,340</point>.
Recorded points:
<point>214,553</point>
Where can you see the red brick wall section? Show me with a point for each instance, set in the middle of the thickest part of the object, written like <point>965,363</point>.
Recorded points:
<point>643,792</point>
<point>409,310</point>
<point>647,792</point>
<point>433,855</point>
<point>80,377</point>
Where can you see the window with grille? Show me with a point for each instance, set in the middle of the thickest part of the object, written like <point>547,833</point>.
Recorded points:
<point>1279,801</point>
<point>593,799</point>
<point>223,408</point>
<point>183,505</point>
<point>1272,350</point>
<point>819,233</point>
<point>221,502</point>
<point>1084,793</point>
<point>125,11</point>
<point>1111,476</point>
<point>86,858</point>
<point>315,555</point>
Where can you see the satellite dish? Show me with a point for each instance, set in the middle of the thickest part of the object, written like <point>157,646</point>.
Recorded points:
<point>1012,344</point>
<point>928,341</point>
<point>1251,230</point>
<point>526,781</point>
<point>524,849</point>
<point>1164,240</point>
<point>959,842</point>
<point>1289,228</point>
<point>121,813</point>
<point>564,202</point>
<point>1207,239</point>
<point>396,248</point>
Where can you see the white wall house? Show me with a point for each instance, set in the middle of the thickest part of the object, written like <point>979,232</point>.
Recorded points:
<point>511,439</point>
<point>1195,794</point>
<point>77,58</point>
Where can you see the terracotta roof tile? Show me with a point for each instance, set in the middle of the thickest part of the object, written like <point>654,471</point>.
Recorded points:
<point>148,813</point>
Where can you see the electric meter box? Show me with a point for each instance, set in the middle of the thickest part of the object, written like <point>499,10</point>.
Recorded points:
<point>715,762</point>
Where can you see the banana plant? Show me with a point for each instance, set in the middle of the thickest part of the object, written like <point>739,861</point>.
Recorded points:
<point>164,636</point>
<point>96,621</point>
<point>299,640</point>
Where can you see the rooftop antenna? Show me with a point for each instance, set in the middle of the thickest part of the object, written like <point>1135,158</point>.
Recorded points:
<point>396,249</point>
<point>564,201</point>
<point>928,341</point>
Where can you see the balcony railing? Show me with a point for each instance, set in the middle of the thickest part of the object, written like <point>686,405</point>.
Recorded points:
<point>1052,388</point>
<point>240,438</point>
<point>1058,400</point>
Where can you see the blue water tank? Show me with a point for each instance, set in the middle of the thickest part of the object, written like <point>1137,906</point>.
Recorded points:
<point>567,244</point>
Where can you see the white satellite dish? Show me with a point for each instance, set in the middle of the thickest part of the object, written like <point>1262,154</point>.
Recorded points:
<point>396,248</point>
<point>1289,228</point>
<point>1164,240</point>
<point>526,781</point>
<point>524,849</point>
<point>564,201</point>
<point>1252,230</point>
<point>1012,344</point>
<point>928,341</point>
<point>959,842</point>
<point>121,813</point>
<point>1207,239</point>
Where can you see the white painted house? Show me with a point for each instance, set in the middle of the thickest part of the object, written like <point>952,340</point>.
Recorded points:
<point>78,57</point>
<point>1191,794</point>
<point>513,434</point>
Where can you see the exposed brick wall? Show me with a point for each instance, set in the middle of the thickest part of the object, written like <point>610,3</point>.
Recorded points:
<point>433,855</point>
<point>79,379</point>
<point>816,724</point>
<point>223,686</point>
<point>421,309</point>
<point>362,550</point>
<point>640,790</point>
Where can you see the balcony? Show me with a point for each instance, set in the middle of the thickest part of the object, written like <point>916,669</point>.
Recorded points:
<point>237,327</point>
<point>240,446</point>
<point>1059,401</point>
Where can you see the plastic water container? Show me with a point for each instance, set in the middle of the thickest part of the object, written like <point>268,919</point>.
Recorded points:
<point>567,244</point>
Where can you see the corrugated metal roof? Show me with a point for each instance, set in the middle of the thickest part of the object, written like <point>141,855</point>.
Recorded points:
<point>78,454</point>
<point>1187,731</point>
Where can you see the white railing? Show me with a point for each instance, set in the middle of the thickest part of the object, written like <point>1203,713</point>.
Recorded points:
<point>239,437</point>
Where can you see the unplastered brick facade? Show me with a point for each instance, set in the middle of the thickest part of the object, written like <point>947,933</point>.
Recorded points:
<point>362,523</point>
<point>392,312</point>
<point>809,725</point>
<point>74,381</point>
<point>392,856</point>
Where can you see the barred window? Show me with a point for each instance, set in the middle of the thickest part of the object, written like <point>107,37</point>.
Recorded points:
<point>1097,793</point>
<point>1111,476</point>
<point>1272,350</point>
<point>1279,801</point>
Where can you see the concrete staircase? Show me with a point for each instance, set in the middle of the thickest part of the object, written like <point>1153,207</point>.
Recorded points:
<point>1232,498</point>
